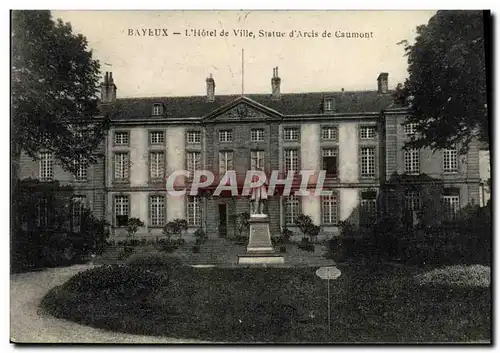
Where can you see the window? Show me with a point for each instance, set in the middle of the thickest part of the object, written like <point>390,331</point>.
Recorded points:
<point>291,134</point>
<point>194,137</point>
<point>367,132</point>
<point>450,163</point>
<point>157,109</point>
<point>410,129</point>
<point>257,134</point>
<point>329,209</point>
<point>257,160</point>
<point>330,161</point>
<point>157,211</point>
<point>412,200</point>
<point>291,160</point>
<point>121,166</point>
<point>225,162</point>
<point>368,207</point>
<point>451,206</point>
<point>46,166</point>
<point>329,133</point>
<point>42,210</point>
<point>194,211</point>
<point>292,209</point>
<point>226,135</point>
<point>193,161</point>
<point>156,137</point>
<point>121,138</point>
<point>157,165</point>
<point>121,210</point>
<point>77,209</point>
<point>412,161</point>
<point>81,169</point>
<point>328,104</point>
<point>368,162</point>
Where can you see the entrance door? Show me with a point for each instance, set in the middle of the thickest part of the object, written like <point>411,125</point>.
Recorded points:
<point>222,220</point>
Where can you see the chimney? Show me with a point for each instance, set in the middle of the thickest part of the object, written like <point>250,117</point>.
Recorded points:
<point>275,84</point>
<point>210,89</point>
<point>108,89</point>
<point>383,82</point>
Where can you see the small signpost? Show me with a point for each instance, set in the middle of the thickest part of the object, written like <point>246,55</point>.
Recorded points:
<point>328,273</point>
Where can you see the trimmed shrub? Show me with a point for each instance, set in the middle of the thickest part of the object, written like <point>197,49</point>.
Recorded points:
<point>167,245</point>
<point>125,253</point>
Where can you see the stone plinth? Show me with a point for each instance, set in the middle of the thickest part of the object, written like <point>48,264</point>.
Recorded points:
<point>260,249</point>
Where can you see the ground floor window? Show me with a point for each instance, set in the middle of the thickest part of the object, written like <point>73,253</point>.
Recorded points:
<point>329,208</point>
<point>451,206</point>
<point>43,212</point>
<point>194,211</point>
<point>77,209</point>
<point>292,208</point>
<point>368,214</point>
<point>121,210</point>
<point>157,211</point>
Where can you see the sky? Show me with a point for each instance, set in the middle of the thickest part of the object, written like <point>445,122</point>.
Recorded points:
<point>177,65</point>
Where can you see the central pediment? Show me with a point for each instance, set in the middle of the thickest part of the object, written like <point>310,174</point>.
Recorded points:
<point>242,109</point>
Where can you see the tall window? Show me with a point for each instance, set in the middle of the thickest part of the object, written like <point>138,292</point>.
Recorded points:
<point>291,134</point>
<point>412,161</point>
<point>368,207</point>
<point>329,133</point>
<point>42,208</point>
<point>194,211</point>
<point>81,169</point>
<point>412,200</point>
<point>257,160</point>
<point>226,135</point>
<point>157,165</point>
<point>77,208</point>
<point>330,161</point>
<point>225,162</point>
<point>450,163</point>
<point>292,209</point>
<point>367,132</point>
<point>156,137</point>
<point>291,160</point>
<point>121,210</point>
<point>410,129</point>
<point>121,166</point>
<point>193,161</point>
<point>157,210</point>
<point>121,138</point>
<point>368,161</point>
<point>194,137</point>
<point>157,109</point>
<point>257,135</point>
<point>329,209</point>
<point>451,206</point>
<point>46,166</point>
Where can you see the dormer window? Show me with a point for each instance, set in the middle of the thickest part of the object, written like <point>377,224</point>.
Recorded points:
<point>157,109</point>
<point>328,104</point>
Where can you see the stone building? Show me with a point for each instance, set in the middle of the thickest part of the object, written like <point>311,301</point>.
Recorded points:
<point>356,137</point>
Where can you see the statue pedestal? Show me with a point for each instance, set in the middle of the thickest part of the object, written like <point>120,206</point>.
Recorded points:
<point>260,249</point>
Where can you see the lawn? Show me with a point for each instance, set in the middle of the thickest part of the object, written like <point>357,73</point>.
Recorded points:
<point>376,304</point>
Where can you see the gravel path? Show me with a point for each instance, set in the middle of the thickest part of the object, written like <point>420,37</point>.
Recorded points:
<point>28,326</point>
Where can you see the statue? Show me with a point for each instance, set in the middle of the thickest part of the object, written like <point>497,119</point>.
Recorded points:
<point>259,194</point>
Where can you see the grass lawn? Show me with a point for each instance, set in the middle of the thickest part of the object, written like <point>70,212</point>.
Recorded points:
<point>382,304</point>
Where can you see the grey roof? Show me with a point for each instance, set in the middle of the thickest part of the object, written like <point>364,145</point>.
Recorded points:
<point>287,104</point>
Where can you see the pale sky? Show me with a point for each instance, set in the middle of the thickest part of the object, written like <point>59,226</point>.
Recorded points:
<point>177,65</point>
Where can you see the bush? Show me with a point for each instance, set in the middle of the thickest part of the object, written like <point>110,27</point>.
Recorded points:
<point>125,253</point>
<point>282,249</point>
<point>200,236</point>
<point>306,245</point>
<point>175,227</point>
<point>196,249</point>
<point>154,261</point>
<point>167,245</point>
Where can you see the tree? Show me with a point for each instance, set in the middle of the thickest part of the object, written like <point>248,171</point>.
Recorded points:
<point>446,87</point>
<point>177,226</point>
<point>55,83</point>
<point>307,227</point>
<point>133,225</point>
<point>242,222</point>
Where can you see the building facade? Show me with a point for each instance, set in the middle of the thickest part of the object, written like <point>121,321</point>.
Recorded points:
<point>357,138</point>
